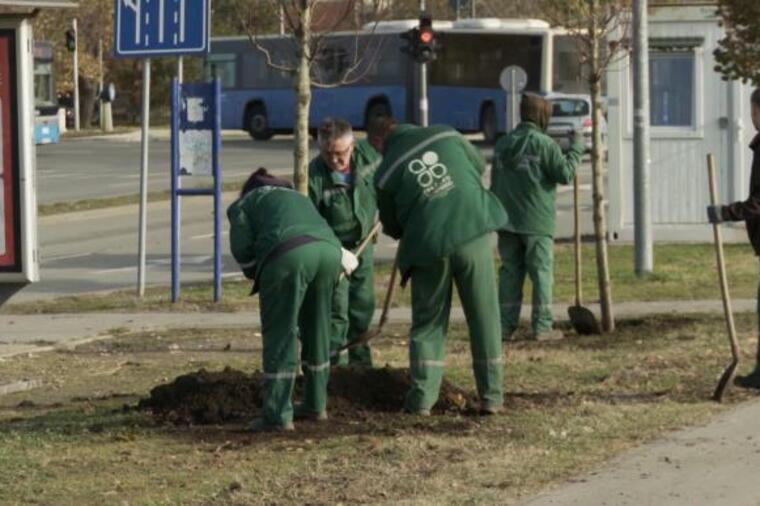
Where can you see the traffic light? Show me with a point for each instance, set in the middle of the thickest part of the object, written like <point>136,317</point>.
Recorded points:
<point>425,39</point>
<point>421,43</point>
<point>411,37</point>
<point>71,40</point>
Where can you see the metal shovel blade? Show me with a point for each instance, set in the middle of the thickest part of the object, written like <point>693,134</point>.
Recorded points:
<point>583,320</point>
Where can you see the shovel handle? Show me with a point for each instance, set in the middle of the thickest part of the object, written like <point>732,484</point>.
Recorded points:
<point>721,262</point>
<point>363,245</point>
<point>577,233</point>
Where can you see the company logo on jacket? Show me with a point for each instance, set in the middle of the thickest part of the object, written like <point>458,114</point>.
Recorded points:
<point>432,175</point>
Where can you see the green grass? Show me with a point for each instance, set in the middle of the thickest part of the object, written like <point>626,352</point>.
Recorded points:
<point>571,405</point>
<point>682,272</point>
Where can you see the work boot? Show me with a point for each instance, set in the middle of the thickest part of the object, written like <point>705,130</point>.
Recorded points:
<point>749,381</point>
<point>549,335</point>
<point>260,425</point>
<point>487,410</point>
<point>299,413</point>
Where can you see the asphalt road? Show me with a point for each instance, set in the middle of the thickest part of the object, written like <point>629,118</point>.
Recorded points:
<point>88,168</point>
<point>97,250</point>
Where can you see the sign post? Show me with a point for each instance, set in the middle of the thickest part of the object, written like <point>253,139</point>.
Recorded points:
<point>196,125</point>
<point>147,29</point>
<point>513,80</point>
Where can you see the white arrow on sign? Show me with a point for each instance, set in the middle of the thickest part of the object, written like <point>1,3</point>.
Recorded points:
<point>135,6</point>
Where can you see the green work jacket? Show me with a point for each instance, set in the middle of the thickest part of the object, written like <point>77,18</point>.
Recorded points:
<point>528,165</point>
<point>349,209</point>
<point>267,217</point>
<point>430,194</point>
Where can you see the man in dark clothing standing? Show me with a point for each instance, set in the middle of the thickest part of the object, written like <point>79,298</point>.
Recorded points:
<point>747,211</point>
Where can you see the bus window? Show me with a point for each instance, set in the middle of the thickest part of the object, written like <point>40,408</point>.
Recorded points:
<point>222,66</point>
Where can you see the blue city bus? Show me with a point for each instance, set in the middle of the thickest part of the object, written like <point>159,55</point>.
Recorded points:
<point>46,129</point>
<point>463,89</point>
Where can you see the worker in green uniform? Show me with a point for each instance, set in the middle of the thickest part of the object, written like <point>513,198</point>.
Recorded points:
<point>340,185</point>
<point>430,197</point>
<point>528,165</point>
<point>747,211</point>
<point>294,258</point>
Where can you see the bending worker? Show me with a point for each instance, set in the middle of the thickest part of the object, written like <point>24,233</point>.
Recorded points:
<point>431,198</point>
<point>281,242</point>
<point>747,211</point>
<point>340,185</point>
<point>528,165</point>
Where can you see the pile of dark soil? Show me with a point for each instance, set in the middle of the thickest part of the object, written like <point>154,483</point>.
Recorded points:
<point>205,397</point>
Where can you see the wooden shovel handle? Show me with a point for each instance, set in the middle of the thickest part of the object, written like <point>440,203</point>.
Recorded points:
<point>577,233</point>
<point>721,261</point>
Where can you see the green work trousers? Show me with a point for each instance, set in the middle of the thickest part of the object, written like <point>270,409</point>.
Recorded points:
<point>471,267</point>
<point>296,289</point>
<point>533,255</point>
<point>352,311</point>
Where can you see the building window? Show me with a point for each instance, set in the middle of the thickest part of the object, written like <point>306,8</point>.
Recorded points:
<point>671,88</point>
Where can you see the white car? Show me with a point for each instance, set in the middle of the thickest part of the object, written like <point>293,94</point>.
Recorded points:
<point>572,112</point>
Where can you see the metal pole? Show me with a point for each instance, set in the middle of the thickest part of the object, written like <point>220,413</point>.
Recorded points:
<point>423,95</point>
<point>282,20</point>
<point>644,260</point>
<point>513,99</point>
<point>143,177</point>
<point>175,187</point>
<point>472,8</point>
<point>177,182</point>
<point>100,82</point>
<point>216,151</point>
<point>76,74</point>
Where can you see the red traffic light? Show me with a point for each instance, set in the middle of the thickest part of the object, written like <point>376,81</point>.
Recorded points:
<point>426,36</point>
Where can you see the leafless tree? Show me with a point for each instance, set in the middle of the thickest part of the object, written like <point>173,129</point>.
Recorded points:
<point>601,29</point>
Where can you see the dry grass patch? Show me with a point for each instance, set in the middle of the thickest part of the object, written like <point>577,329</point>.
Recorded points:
<point>571,404</point>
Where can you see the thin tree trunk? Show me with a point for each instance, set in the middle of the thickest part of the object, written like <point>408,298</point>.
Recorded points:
<point>600,220</point>
<point>303,100</point>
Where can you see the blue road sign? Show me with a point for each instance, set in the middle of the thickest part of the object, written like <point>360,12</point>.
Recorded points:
<point>148,28</point>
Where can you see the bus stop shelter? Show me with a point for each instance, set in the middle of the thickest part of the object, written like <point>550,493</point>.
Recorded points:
<point>19,254</point>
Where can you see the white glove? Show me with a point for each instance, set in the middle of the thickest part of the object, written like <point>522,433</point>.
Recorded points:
<point>348,261</point>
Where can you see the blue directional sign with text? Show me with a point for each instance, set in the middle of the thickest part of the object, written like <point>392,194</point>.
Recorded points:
<point>149,28</point>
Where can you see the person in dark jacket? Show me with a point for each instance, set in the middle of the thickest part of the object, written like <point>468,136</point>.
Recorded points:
<point>280,241</point>
<point>747,211</point>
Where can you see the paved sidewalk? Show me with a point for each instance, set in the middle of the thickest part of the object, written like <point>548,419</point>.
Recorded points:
<point>37,333</point>
<point>705,466</point>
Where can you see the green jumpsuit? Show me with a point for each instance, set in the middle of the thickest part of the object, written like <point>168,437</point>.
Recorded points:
<point>528,165</point>
<point>430,196</point>
<point>349,207</point>
<point>280,241</point>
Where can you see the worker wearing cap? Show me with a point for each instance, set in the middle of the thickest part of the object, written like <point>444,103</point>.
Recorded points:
<point>747,211</point>
<point>431,198</point>
<point>340,185</point>
<point>528,165</point>
<point>282,243</point>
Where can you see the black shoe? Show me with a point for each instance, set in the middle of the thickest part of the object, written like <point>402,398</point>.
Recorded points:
<point>260,425</point>
<point>749,381</point>
<point>299,413</point>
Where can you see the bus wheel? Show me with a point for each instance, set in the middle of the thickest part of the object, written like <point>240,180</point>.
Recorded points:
<point>257,122</point>
<point>488,124</point>
<point>376,110</point>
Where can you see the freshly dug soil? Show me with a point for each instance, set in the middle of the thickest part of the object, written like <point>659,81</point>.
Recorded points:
<point>205,397</point>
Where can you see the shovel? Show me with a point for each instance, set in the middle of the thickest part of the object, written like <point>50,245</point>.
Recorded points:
<point>728,374</point>
<point>369,335</point>
<point>583,320</point>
